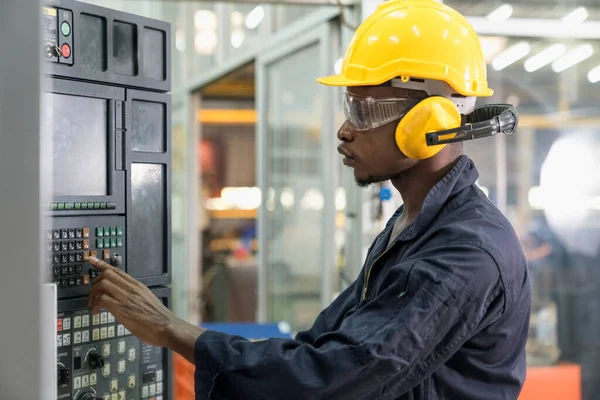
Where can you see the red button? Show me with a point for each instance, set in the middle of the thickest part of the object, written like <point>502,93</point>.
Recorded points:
<point>59,324</point>
<point>65,50</point>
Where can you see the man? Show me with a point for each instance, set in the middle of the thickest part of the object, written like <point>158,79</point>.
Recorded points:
<point>441,307</point>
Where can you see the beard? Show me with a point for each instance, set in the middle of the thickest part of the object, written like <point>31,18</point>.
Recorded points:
<point>371,179</point>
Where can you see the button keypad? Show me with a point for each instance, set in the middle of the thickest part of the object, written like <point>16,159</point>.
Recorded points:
<point>69,248</point>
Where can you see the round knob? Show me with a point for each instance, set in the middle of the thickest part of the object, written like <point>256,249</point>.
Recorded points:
<point>51,51</point>
<point>116,260</point>
<point>95,360</point>
<point>88,396</point>
<point>63,374</point>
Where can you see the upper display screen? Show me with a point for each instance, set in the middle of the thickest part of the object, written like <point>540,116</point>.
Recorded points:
<point>79,144</point>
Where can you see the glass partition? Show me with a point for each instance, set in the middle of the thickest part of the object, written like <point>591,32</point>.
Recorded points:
<point>297,215</point>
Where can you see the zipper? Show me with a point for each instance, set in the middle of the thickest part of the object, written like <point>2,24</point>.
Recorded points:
<point>368,276</point>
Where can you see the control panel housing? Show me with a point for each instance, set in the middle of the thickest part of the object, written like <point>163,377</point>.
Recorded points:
<point>106,117</point>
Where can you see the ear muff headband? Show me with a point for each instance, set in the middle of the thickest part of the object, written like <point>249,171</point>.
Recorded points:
<point>432,114</point>
<point>486,120</point>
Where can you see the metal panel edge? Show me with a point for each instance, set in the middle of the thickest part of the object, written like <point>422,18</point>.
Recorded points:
<point>20,163</point>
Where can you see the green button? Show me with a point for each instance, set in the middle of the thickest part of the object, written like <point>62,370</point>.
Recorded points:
<point>113,242</point>
<point>119,230</point>
<point>102,205</point>
<point>99,243</point>
<point>54,206</point>
<point>107,231</point>
<point>90,206</point>
<point>107,243</point>
<point>68,206</point>
<point>84,206</point>
<point>77,206</point>
<point>61,206</point>
<point>119,242</point>
<point>65,28</point>
<point>113,231</point>
<point>99,232</point>
<point>96,205</point>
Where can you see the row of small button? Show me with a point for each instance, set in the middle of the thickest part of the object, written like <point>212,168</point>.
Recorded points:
<point>108,243</point>
<point>95,205</point>
<point>64,258</point>
<point>85,380</point>
<point>109,231</point>
<point>152,390</point>
<point>67,245</point>
<point>102,318</point>
<point>80,321</point>
<point>68,233</point>
<point>107,332</point>
<point>71,281</point>
<point>66,270</point>
<point>84,244</point>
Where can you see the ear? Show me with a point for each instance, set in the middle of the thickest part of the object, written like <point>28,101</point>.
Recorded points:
<point>430,115</point>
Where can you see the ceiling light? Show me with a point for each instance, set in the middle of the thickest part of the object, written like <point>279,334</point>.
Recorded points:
<point>544,57</point>
<point>205,20</point>
<point>501,13</point>
<point>237,38</point>
<point>511,55</point>
<point>573,57</point>
<point>255,17</point>
<point>576,16</point>
<point>594,75</point>
<point>205,42</point>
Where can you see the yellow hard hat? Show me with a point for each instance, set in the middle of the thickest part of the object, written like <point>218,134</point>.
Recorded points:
<point>415,38</point>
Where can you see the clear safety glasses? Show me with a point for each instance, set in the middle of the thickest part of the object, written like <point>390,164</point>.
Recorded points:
<point>367,112</point>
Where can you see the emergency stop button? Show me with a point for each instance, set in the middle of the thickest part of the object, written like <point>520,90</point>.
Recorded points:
<point>65,50</point>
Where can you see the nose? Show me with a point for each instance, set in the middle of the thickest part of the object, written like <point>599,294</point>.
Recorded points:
<point>345,133</point>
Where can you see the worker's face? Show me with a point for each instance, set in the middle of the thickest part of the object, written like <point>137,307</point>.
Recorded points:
<point>373,153</point>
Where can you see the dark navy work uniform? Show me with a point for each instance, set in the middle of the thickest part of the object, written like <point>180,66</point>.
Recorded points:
<point>443,313</point>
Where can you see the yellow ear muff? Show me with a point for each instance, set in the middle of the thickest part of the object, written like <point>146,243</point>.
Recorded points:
<point>432,114</point>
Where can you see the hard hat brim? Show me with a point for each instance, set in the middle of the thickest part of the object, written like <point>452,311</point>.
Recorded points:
<point>340,80</point>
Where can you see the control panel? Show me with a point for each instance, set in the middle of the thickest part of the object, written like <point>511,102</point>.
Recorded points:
<point>98,358</point>
<point>107,112</point>
<point>57,25</point>
<point>73,240</point>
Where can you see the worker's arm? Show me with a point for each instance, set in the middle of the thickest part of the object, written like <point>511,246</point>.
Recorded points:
<point>331,317</point>
<point>383,348</point>
<point>380,350</point>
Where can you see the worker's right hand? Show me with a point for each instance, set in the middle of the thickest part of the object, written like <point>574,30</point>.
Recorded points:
<point>131,302</point>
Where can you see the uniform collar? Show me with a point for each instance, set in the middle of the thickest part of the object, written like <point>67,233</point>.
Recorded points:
<point>462,175</point>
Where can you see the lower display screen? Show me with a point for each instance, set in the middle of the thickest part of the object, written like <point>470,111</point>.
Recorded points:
<point>98,358</point>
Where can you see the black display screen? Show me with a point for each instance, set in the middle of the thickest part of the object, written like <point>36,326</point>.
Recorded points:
<point>79,144</point>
